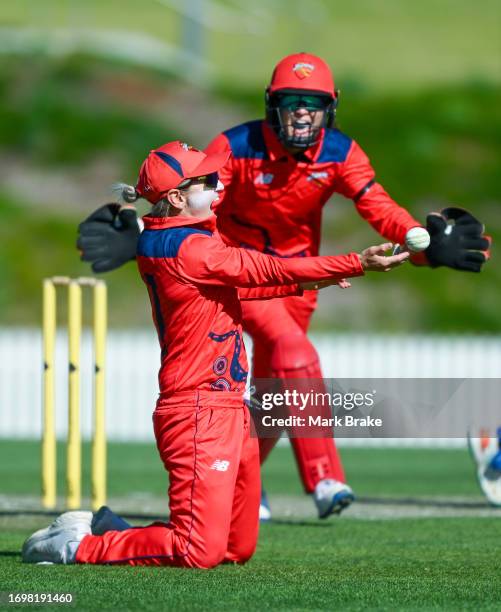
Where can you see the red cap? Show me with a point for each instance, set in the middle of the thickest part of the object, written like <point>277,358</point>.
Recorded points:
<point>169,165</point>
<point>302,71</point>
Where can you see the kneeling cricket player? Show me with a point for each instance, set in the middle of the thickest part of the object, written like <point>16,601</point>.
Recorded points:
<point>202,426</point>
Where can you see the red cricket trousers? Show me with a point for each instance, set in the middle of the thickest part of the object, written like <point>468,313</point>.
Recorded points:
<point>282,350</point>
<point>213,463</point>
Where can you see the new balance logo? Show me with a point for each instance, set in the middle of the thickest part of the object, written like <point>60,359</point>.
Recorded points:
<point>263,179</point>
<point>220,465</point>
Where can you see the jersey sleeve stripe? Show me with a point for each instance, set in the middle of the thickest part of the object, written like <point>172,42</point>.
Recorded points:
<point>364,190</point>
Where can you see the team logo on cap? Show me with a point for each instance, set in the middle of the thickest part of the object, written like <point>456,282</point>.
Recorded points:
<point>303,69</point>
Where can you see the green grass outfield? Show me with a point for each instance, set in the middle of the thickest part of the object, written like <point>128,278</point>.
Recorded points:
<point>371,472</point>
<point>301,563</point>
<point>342,564</point>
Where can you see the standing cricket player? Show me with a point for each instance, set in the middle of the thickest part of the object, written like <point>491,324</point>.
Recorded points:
<point>202,427</point>
<point>282,172</point>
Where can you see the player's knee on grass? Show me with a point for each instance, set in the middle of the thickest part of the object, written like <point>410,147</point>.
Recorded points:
<point>205,559</point>
<point>206,548</point>
<point>240,555</point>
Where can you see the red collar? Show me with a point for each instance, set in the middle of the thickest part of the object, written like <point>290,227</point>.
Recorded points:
<point>159,223</point>
<point>277,151</point>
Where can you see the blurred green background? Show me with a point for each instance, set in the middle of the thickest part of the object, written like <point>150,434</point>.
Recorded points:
<point>87,88</point>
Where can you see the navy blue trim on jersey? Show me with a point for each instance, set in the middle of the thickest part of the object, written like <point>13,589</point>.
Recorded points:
<point>247,140</point>
<point>335,147</point>
<point>159,319</point>
<point>165,243</point>
<point>170,161</point>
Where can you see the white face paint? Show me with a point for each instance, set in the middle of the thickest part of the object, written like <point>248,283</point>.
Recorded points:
<point>201,200</point>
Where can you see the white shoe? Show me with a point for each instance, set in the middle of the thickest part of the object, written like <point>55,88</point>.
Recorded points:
<point>58,543</point>
<point>332,497</point>
<point>264,509</point>
<point>486,452</point>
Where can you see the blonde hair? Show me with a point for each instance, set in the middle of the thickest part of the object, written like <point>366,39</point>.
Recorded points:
<point>160,209</point>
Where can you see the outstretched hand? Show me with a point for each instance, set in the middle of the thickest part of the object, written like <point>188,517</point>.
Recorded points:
<point>374,259</point>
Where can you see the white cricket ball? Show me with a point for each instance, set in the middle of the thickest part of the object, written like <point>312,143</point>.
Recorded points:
<point>417,239</point>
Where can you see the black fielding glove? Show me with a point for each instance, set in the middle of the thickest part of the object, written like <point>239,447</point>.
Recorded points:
<point>461,245</point>
<point>108,237</point>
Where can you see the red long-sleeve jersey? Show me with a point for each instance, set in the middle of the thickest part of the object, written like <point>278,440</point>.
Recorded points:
<point>195,282</point>
<point>273,202</point>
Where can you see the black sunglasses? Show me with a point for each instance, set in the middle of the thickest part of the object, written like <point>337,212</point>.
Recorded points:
<point>209,181</point>
<point>292,102</point>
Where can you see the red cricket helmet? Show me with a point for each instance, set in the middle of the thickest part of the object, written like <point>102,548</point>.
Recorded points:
<point>304,72</point>
<point>168,166</point>
<point>300,80</point>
